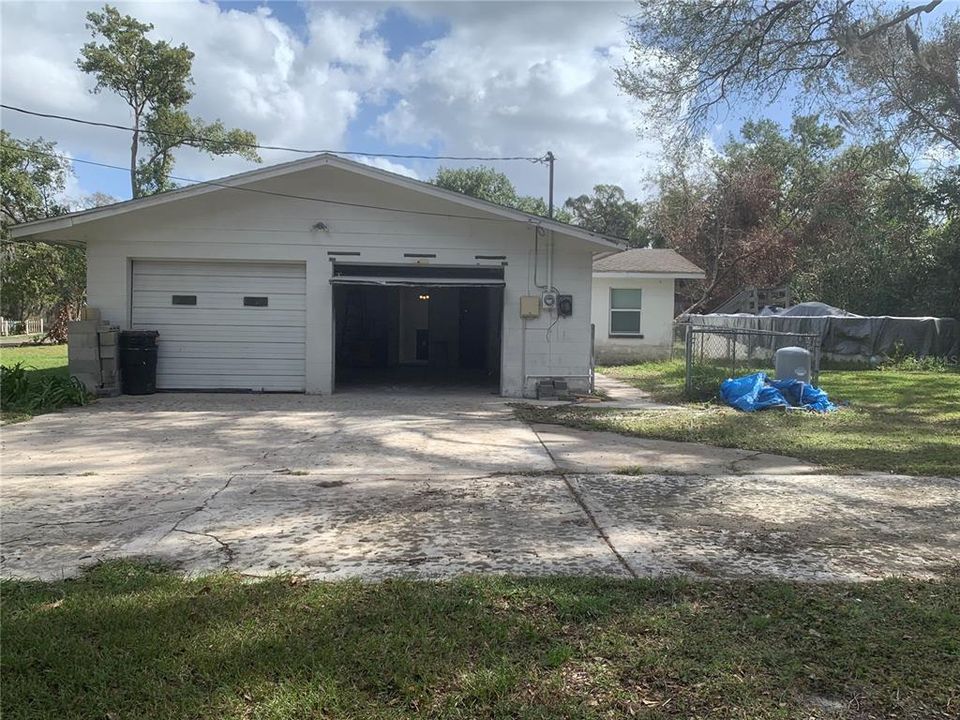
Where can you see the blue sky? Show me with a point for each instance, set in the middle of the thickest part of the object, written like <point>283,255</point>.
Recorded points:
<point>455,78</point>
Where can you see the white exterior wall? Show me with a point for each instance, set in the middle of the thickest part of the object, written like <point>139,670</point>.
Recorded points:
<point>238,225</point>
<point>656,320</point>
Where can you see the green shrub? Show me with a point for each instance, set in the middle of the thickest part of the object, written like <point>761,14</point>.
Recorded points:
<point>24,391</point>
<point>901,359</point>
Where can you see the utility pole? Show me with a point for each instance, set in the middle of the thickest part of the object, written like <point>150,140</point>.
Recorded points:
<point>550,158</point>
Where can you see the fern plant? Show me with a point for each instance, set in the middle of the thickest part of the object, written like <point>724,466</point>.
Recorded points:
<point>22,392</point>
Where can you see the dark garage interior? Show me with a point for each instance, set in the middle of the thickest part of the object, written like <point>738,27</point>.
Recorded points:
<point>417,330</point>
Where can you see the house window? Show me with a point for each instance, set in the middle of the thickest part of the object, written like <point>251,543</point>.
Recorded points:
<point>625,306</point>
<point>254,301</point>
<point>183,300</point>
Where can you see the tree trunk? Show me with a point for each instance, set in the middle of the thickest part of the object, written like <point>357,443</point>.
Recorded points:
<point>134,147</point>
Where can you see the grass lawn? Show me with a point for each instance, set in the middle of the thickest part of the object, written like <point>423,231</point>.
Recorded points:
<point>46,359</point>
<point>896,421</point>
<point>128,641</point>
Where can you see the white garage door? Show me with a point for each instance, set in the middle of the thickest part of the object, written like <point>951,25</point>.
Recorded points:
<point>224,325</point>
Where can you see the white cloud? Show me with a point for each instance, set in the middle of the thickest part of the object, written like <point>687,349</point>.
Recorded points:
<point>388,165</point>
<point>515,79</point>
<point>523,79</point>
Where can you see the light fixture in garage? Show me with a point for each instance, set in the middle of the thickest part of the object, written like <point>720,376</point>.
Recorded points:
<point>424,296</point>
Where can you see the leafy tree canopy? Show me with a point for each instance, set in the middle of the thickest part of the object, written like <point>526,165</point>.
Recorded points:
<point>608,211</point>
<point>849,225</point>
<point>153,78</point>
<point>880,68</point>
<point>493,186</point>
<point>38,279</point>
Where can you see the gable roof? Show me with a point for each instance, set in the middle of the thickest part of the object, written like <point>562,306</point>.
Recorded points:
<point>662,261</point>
<point>37,228</point>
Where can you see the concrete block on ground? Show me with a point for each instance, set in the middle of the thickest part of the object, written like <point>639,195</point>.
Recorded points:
<point>83,326</point>
<point>91,381</point>
<point>108,338</point>
<point>82,340</point>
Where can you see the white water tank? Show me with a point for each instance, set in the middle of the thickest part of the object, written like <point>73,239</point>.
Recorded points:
<point>792,363</point>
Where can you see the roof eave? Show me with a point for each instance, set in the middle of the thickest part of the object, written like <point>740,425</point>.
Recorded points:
<point>649,274</point>
<point>35,228</point>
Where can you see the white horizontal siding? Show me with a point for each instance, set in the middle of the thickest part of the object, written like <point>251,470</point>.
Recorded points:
<point>219,343</point>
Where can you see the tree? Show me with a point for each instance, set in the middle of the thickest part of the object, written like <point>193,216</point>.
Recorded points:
<point>153,78</point>
<point>609,212</point>
<point>874,66</point>
<point>493,186</point>
<point>901,256</point>
<point>846,224</point>
<point>38,279</point>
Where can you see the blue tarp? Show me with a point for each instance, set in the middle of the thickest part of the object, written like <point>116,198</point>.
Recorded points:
<point>758,392</point>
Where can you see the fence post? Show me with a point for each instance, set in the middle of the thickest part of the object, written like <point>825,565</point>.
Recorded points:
<point>733,357</point>
<point>816,360</point>
<point>688,351</point>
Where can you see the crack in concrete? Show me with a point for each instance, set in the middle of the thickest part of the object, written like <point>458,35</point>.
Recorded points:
<point>223,546</point>
<point>578,498</point>
<point>105,521</point>
<point>203,506</point>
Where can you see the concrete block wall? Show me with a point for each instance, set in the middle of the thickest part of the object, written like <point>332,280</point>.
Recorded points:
<point>92,355</point>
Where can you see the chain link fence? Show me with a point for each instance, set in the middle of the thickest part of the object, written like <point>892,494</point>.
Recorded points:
<point>713,354</point>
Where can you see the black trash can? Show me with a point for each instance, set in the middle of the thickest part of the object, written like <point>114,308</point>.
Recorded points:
<point>138,362</point>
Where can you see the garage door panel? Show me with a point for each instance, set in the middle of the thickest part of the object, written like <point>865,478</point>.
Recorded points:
<point>168,381</point>
<point>228,333</point>
<point>229,348</point>
<point>219,343</point>
<point>180,268</point>
<point>218,300</point>
<point>176,365</point>
<point>263,318</point>
<point>195,285</point>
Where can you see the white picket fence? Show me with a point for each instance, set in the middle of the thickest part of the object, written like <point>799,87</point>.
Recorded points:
<point>16,327</point>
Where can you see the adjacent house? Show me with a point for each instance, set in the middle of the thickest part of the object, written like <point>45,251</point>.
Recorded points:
<point>322,273</point>
<point>633,302</point>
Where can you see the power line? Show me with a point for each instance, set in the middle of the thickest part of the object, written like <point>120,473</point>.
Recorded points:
<point>257,146</point>
<point>273,193</point>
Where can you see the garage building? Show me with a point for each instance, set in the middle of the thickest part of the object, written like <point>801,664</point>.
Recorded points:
<point>325,274</point>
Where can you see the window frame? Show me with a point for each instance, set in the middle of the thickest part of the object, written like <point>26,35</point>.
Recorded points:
<point>638,335</point>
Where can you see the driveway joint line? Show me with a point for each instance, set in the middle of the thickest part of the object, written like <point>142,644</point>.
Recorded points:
<point>578,498</point>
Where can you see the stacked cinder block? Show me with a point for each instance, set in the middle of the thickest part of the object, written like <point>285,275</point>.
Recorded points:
<point>553,389</point>
<point>92,354</point>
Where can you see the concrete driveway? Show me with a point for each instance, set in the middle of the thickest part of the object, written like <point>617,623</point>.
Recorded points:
<point>380,484</point>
